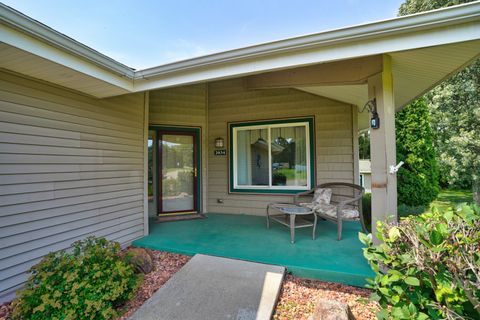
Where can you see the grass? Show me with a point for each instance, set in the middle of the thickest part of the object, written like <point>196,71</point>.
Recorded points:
<point>445,199</point>
<point>448,198</point>
<point>292,174</point>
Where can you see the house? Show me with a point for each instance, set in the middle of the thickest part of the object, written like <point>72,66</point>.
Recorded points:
<point>226,132</point>
<point>365,168</point>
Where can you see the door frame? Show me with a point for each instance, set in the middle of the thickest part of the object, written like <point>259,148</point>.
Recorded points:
<point>196,132</point>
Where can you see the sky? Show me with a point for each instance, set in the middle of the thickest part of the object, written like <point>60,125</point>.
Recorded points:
<point>147,33</point>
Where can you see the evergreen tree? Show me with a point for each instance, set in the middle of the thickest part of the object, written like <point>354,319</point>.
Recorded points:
<point>418,179</point>
<point>454,107</point>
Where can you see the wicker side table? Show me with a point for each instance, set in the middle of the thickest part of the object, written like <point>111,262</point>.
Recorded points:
<point>286,214</point>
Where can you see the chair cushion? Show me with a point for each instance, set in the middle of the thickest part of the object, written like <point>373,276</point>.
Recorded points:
<point>322,196</point>
<point>309,205</point>
<point>331,210</point>
<point>328,209</point>
<point>350,214</point>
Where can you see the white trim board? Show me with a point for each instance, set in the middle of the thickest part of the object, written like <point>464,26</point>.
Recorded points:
<point>438,27</point>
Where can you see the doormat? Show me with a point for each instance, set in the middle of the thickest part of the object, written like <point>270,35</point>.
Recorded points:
<point>211,288</point>
<point>180,217</point>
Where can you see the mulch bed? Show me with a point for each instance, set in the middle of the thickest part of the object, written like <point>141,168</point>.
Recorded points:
<point>166,265</point>
<point>298,296</point>
<point>5,310</point>
<point>296,301</point>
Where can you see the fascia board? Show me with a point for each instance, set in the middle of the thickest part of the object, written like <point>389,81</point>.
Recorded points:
<point>41,49</point>
<point>37,30</point>
<point>342,51</point>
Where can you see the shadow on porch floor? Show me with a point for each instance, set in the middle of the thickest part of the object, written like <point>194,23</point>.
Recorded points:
<point>246,237</point>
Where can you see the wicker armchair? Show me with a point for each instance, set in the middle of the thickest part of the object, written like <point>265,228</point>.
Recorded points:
<point>345,203</point>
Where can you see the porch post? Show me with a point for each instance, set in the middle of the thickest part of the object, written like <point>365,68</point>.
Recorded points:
<point>382,146</point>
<point>146,110</point>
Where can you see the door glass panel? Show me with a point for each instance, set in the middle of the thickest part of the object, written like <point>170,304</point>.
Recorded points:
<point>178,171</point>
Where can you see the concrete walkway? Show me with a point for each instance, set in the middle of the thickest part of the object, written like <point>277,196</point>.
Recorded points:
<point>211,288</point>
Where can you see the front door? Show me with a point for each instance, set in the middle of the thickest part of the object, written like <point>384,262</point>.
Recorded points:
<point>178,172</point>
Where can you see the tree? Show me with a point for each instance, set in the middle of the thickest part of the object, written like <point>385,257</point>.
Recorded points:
<point>415,6</point>
<point>454,107</point>
<point>455,110</point>
<point>418,180</point>
<point>364,145</point>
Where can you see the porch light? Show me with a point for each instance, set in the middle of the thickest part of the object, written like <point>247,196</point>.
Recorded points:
<point>371,106</point>
<point>219,143</point>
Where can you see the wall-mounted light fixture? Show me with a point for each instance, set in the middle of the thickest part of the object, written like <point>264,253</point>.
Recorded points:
<point>219,143</point>
<point>371,106</point>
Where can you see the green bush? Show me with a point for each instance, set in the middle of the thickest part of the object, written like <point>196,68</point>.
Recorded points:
<point>404,211</point>
<point>428,266</point>
<point>279,179</point>
<point>367,210</point>
<point>418,178</point>
<point>89,282</point>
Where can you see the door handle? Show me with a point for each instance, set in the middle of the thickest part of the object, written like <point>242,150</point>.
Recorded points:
<point>195,172</point>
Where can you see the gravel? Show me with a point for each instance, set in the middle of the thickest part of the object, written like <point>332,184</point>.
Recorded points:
<point>296,301</point>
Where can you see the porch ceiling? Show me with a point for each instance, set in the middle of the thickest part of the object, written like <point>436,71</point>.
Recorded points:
<point>414,73</point>
<point>425,48</point>
<point>74,77</point>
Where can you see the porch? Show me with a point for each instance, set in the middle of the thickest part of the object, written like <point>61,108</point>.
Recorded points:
<point>245,237</point>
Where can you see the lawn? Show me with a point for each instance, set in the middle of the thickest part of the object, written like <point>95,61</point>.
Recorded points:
<point>451,198</point>
<point>445,199</point>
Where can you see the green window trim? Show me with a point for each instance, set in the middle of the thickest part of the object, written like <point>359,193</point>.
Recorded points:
<point>269,189</point>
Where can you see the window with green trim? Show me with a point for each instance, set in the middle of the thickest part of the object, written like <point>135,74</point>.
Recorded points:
<point>272,156</point>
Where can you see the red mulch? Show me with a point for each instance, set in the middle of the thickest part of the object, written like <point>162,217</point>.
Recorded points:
<point>298,296</point>
<point>166,265</point>
<point>296,301</point>
<point>5,310</point>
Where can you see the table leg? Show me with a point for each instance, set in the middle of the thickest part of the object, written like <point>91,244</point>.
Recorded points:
<point>268,218</point>
<point>292,228</point>
<point>314,225</point>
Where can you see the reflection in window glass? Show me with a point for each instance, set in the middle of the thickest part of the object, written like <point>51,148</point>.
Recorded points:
<point>252,157</point>
<point>272,156</point>
<point>151,138</point>
<point>177,172</point>
<point>289,156</point>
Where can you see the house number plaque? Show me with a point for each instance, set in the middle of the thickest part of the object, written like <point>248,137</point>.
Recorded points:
<point>221,152</point>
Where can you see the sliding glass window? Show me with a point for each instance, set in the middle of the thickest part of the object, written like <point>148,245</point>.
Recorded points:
<point>272,157</point>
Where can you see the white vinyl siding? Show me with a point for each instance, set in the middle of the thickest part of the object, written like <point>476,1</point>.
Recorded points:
<point>70,166</point>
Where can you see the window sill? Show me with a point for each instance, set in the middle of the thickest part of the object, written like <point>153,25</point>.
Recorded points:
<point>268,191</point>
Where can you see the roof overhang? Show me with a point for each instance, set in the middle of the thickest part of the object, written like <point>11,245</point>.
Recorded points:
<point>417,43</point>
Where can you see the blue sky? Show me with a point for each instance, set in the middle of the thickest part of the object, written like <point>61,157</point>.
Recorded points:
<point>141,33</point>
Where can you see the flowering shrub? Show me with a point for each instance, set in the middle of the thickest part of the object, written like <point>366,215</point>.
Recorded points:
<point>89,282</point>
<point>428,266</point>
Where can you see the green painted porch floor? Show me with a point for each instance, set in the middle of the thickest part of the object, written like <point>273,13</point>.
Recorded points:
<point>247,238</point>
